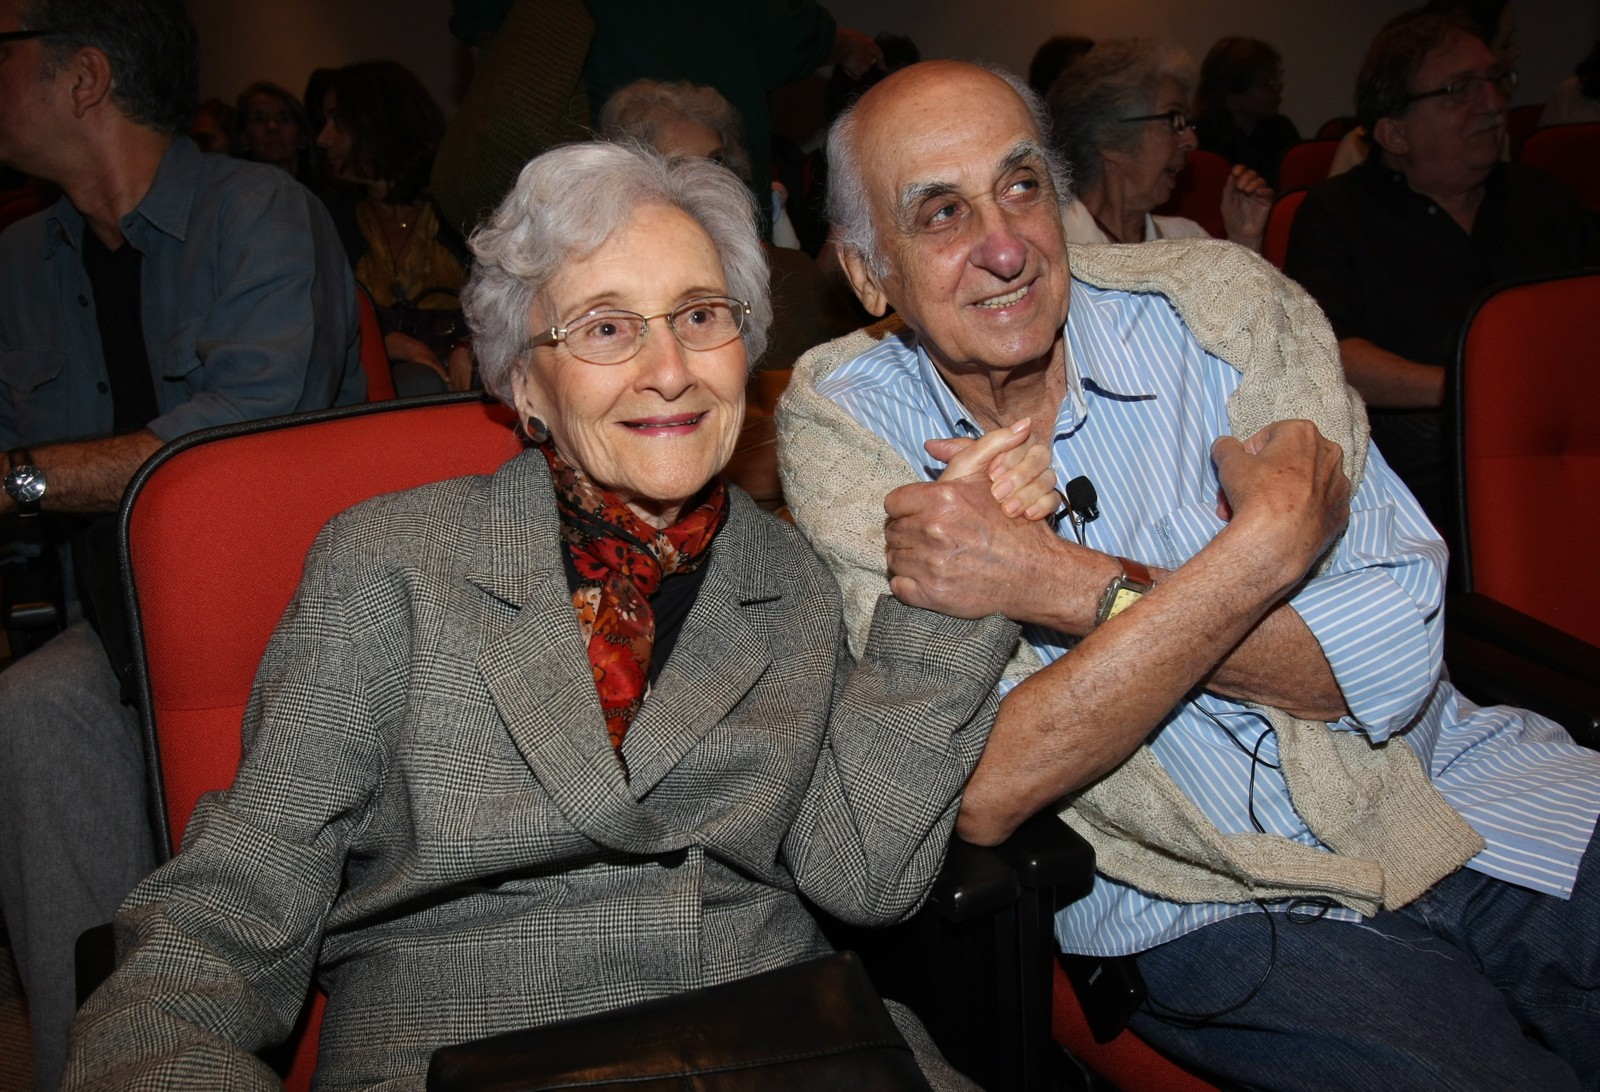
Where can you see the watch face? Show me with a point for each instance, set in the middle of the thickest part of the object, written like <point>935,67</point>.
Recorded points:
<point>25,484</point>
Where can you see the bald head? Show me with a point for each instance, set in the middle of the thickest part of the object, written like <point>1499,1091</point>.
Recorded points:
<point>936,102</point>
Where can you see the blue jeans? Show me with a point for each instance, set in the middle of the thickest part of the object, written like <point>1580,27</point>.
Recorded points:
<point>1479,984</point>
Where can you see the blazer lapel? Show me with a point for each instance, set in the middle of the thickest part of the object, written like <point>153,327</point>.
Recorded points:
<point>716,661</point>
<point>538,675</point>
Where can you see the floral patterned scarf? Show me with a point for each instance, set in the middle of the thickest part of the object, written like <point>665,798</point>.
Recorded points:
<point>621,560</point>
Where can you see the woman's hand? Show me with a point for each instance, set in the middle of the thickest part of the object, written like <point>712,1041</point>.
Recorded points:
<point>1246,204</point>
<point>1020,476</point>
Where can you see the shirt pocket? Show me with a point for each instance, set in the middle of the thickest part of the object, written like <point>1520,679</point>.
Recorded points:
<point>1183,531</point>
<point>35,392</point>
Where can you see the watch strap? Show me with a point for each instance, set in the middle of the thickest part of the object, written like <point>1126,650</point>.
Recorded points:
<point>1124,591</point>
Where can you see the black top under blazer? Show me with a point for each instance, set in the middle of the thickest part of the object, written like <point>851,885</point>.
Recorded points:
<point>429,816</point>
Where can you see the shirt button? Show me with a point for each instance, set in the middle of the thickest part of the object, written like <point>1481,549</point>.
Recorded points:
<point>102,387</point>
<point>1432,209</point>
<point>83,301</point>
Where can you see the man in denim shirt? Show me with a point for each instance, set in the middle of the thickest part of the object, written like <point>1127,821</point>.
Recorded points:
<point>166,291</point>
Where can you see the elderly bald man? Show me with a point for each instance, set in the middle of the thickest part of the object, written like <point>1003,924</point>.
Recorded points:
<point>1318,851</point>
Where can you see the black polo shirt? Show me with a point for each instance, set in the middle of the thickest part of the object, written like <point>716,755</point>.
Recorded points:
<point>1389,265</point>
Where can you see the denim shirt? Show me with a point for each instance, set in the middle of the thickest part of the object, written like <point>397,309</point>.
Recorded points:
<point>248,306</point>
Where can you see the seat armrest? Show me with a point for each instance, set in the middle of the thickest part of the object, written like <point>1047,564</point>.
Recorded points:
<point>975,881</point>
<point>1474,615</point>
<point>1489,674</point>
<point>1045,852</point>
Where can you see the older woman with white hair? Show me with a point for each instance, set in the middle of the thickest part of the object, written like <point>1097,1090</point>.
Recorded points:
<point>1120,116</point>
<point>577,734</point>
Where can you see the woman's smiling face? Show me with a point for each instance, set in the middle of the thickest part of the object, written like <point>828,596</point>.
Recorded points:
<point>654,429</point>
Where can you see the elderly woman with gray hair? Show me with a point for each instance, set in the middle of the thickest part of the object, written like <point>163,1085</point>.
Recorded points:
<point>577,734</point>
<point>1121,119</point>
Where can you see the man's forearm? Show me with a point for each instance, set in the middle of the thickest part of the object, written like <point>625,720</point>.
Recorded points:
<point>1387,380</point>
<point>90,476</point>
<point>1080,717</point>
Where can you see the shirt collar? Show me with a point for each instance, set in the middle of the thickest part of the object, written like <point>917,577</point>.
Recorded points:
<point>165,206</point>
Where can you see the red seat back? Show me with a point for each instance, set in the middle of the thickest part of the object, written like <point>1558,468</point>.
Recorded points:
<point>1275,244</point>
<point>15,204</point>
<point>215,533</point>
<point>374,357</point>
<point>1336,128</point>
<point>1520,124</point>
<point>1528,450</point>
<point>1198,195</point>
<point>1305,164</point>
<point>1572,154</point>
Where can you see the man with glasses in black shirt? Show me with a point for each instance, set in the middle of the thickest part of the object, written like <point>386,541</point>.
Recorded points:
<point>166,291</point>
<point>1396,250</point>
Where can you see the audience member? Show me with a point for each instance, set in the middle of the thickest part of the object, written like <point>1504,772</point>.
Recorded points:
<point>682,119</point>
<point>1397,250</point>
<point>1237,108</point>
<point>380,133</point>
<point>1495,21</point>
<point>166,291</point>
<point>1217,707</point>
<point>1121,120</point>
<point>598,737</point>
<point>1578,96</point>
<point>270,126</point>
<point>1054,57</point>
<point>210,129</point>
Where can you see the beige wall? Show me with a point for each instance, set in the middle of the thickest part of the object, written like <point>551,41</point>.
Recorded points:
<point>1321,40</point>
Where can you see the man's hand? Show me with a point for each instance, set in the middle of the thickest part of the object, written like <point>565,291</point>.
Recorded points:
<point>1286,485</point>
<point>1246,205</point>
<point>954,545</point>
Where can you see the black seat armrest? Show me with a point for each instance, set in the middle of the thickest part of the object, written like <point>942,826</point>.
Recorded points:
<point>1045,852</point>
<point>974,881</point>
<point>1475,615</point>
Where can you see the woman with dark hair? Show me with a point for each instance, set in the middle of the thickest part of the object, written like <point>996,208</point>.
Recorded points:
<point>1237,106</point>
<point>379,136</point>
<point>270,126</point>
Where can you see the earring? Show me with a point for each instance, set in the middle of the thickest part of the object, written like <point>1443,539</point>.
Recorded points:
<point>536,429</point>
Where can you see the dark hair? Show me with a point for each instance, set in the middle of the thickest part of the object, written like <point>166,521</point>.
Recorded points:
<point>1383,87</point>
<point>1588,73</point>
<point>1232,67</point>
<point>1055,57</point>
<point>151,45</point>
<point>395,126</point>
<point>1482,17</point>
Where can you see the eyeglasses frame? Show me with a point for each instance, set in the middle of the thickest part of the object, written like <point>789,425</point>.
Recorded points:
<point>557,335</point>
<point>1177,119</point>
<point>1504,78</point>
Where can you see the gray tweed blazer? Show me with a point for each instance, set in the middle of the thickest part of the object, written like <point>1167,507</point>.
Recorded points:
<point>429,819</point>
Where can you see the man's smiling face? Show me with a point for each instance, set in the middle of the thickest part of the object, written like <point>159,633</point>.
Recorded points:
<point>966,215</point>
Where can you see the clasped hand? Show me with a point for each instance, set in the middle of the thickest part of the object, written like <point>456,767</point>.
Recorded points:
<point>962,545</point>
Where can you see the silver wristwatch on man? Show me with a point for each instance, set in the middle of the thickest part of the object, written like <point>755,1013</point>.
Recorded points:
<point>25,483</point>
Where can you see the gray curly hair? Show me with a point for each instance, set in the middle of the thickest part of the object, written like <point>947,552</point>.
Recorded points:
<point>639,110</point>
<point>1116,79</point>
<point>564,206</point>
<point>848,209</point>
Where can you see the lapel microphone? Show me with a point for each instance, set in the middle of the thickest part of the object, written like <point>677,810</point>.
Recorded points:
<point>1083,504</point>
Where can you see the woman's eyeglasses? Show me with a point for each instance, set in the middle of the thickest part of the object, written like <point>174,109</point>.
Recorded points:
<point>1466,90</point>
<point>615,337</point>
<point>1174,118</point>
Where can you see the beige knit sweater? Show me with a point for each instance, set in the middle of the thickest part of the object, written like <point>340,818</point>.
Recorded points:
<point>1392,835</point>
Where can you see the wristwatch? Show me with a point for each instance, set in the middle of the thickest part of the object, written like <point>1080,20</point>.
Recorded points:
<point>25,483</point>
<point>1125,590</point>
